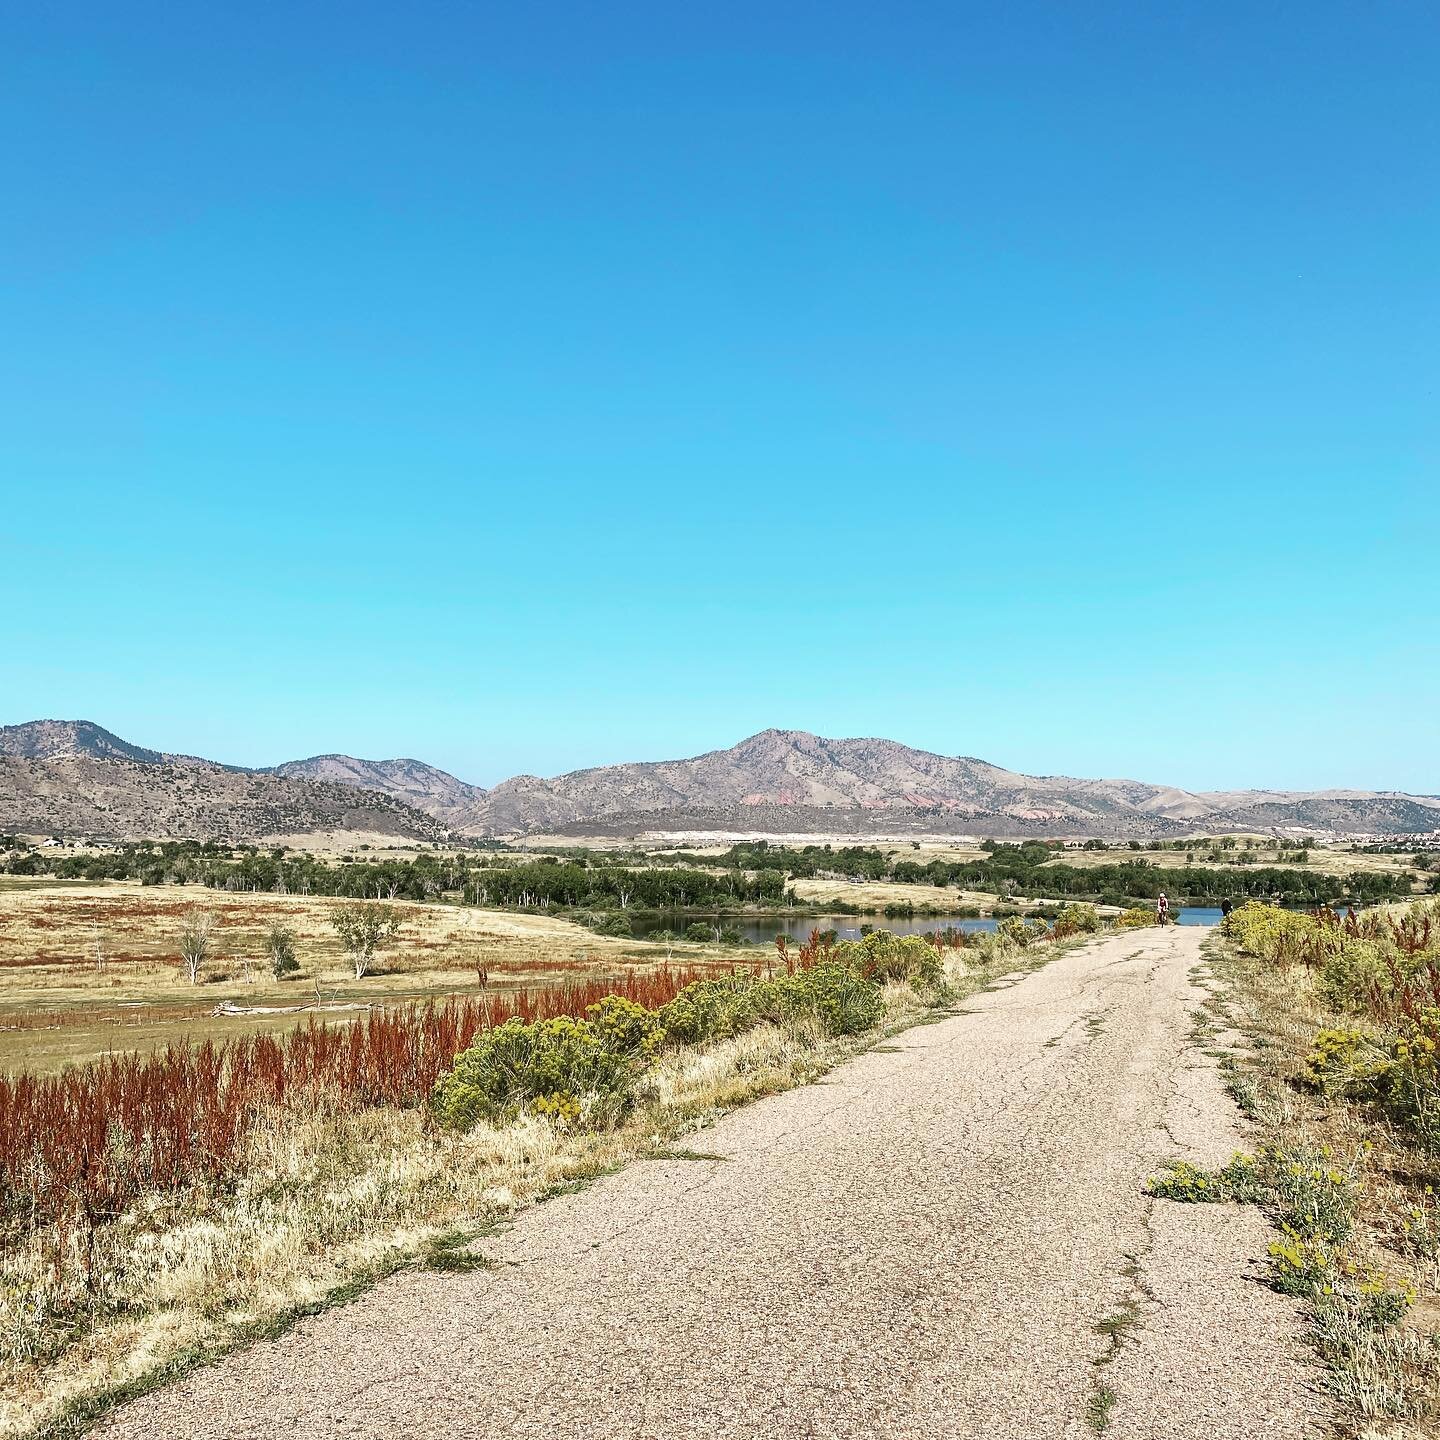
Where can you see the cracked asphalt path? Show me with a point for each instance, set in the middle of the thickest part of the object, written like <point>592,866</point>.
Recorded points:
<point>922,1245</point>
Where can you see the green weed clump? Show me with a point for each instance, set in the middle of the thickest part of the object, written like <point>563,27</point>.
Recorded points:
<point>1193,1185</point>
<point>1302,1186</point>
<point>1303,1265</point>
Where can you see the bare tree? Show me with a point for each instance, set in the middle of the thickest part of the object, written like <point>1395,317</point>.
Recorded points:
<point>195,941</point>
<point>97,946</point>
<point>364,926</point>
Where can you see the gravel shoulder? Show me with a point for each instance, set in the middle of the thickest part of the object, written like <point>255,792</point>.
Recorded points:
<point>926,1243</point>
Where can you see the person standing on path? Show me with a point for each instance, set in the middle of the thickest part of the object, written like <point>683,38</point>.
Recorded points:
<point>1162,909</point>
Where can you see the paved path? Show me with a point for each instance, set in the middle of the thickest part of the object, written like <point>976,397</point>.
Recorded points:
<point>920,1246</point>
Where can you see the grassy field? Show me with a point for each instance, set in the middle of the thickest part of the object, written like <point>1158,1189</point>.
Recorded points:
<point>62,1001</point>
<point>875,895</point>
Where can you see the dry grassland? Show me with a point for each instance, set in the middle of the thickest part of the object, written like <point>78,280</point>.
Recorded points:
<point>60,1003</point>
<point>877,894</point>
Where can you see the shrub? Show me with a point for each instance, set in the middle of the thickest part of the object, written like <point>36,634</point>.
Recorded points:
<point>713,1009</point>
<point>1076,920</point>
<point>625,1027</point>
<point>923,966</point>
<point>1354,975</point>
<point>882,956</point>
<point>1134,918</point>
<point>1015,930</point>
<point>835,993</point>
<point>1410,1083</point>
<point>614,925</point>
<point>700,933</point>
<point>560,1067</point>
<point>843,1000</point>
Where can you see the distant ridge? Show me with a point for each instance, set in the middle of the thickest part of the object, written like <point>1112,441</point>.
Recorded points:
<point>63,773</point>
<point>73,777</point>
<point>807,783</point>
<point>434,791</point>
<point>56,739</point>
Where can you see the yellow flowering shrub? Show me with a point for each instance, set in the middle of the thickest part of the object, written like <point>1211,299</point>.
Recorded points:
<point>1345,1062</point>
<point>565,1068</point>
<point>882,956</point>
<point>623,1026</point>
<point>1411,1082</point>
<point>1285,936</point>
<point>1134,918</point>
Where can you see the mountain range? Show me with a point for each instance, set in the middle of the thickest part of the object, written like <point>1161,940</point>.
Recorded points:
<point>76,778</point>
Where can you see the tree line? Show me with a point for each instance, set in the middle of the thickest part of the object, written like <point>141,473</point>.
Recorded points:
<point>574,882</point>
<point>1030,869</point>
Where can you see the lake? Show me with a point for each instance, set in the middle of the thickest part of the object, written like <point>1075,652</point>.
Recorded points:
<point>762,929</point>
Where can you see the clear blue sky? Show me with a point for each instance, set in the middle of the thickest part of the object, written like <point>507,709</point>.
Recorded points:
<point>525,387</point>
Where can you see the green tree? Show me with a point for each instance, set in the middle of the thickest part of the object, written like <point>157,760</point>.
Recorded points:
<point>364,927</point>
<point>280,947</point>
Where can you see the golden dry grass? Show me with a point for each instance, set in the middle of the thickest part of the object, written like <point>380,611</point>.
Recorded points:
<point>875,895</point>
<point>57,1005</point>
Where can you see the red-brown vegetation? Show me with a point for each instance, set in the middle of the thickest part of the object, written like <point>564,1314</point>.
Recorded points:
<point>78,1148</point>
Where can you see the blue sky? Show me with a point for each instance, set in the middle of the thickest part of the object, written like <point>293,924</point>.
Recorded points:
<point>529,387</point>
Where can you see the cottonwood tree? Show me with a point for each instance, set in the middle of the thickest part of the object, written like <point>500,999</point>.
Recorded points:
<point>195,942</point>
<point>280,947</point>
<point>364,926</point>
